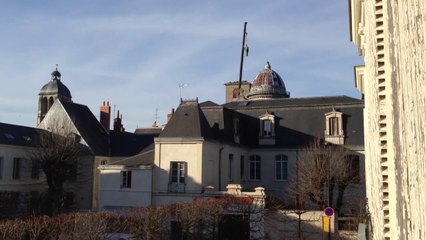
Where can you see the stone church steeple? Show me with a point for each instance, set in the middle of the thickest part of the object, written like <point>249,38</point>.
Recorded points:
<point>51,91</point>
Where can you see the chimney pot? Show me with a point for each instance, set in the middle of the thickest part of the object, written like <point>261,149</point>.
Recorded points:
<point>105,116</point>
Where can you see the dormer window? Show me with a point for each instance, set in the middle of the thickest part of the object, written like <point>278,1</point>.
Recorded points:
<point>236,130</point>
<point>267,129</point>
<point>334,127</point>
<point>333,123</point>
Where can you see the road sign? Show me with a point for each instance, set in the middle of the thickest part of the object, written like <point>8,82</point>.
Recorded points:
<point>326,224</point>
<point>329,211</point>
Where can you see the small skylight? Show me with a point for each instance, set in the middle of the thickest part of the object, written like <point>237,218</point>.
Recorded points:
<point>9,136</point>
<point>26,138</point>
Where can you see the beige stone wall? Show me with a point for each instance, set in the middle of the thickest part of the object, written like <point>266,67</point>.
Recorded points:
<point>25,183</point>
<point>407,34</point>
<point>176,150</point>
<point>393,34</point>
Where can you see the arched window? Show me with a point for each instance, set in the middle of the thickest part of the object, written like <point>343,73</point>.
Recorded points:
<point>50,103</point>
<point>43,105</point>
<point>281,167</point>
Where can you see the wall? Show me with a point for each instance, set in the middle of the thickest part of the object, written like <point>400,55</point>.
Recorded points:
<point>112,195</point>
<point>180,150</point>
<point>17,195</point>
<point>391,36</point>
<point>25,183</point>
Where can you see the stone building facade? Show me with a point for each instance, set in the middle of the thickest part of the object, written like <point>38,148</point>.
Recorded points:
<point>391,37</point>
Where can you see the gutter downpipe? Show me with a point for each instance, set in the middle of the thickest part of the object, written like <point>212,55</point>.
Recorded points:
<point>220,167</point>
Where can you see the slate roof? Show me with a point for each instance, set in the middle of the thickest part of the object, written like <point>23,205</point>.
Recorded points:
<point>293,102</point>
<point>101,142</point>
<point>89,127</point>
<point>145,157</point>
<point>299,120</point>
<point>19,135</point>
<point>128,144</point>
<point>55,86</point>
<point>188,121</point>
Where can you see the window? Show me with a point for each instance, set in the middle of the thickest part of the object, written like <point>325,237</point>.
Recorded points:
<point>281,167</point>
<point>177,172</point>
<point>35,168</point>
<point>255,167</point>
<point>126,179</point>
<point>16,174</point>
<point>236,130</point>
<point>242,168</point>
<point>69,199</point>
<point>43,105</point>
<point>231,162</point>
<point>177,177</point>
<point>267,128</point>
<point>1,167</point>
<point>333,126</point>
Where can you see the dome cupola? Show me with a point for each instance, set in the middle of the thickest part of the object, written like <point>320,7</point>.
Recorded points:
<point>51,91</point>
<point>56,87</point>
<point>268,84</point>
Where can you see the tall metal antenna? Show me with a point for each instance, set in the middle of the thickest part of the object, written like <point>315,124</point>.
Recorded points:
<point>244,48</point>
<point>181,85</point>
<point>156,115</point>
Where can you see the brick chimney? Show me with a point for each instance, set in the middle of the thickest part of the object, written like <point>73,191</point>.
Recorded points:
<point>118,126</point>
<point>105,117</point>
<point>170,115</point>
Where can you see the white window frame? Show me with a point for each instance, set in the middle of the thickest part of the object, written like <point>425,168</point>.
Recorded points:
<point>126,179</point>
<point>267,123</point>
<point>255,167</point>
<point>334,127</point>
<point>281,167</point>
<point>177,172</point>
<point>230,167</point>
<point>16,171</point>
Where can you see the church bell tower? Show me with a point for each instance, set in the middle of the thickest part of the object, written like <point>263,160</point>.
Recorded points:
<point>51,91</point>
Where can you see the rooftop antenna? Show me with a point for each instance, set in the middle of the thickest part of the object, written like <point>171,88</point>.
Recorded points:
<point>156,116</point>
<point>245,49</point>
<point>181,85</point>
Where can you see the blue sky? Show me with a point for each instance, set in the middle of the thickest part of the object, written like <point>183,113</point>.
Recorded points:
<point>135,54</point>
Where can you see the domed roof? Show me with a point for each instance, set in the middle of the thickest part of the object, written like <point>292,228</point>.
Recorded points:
<point>55,86</point>
<point>268,84</point>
